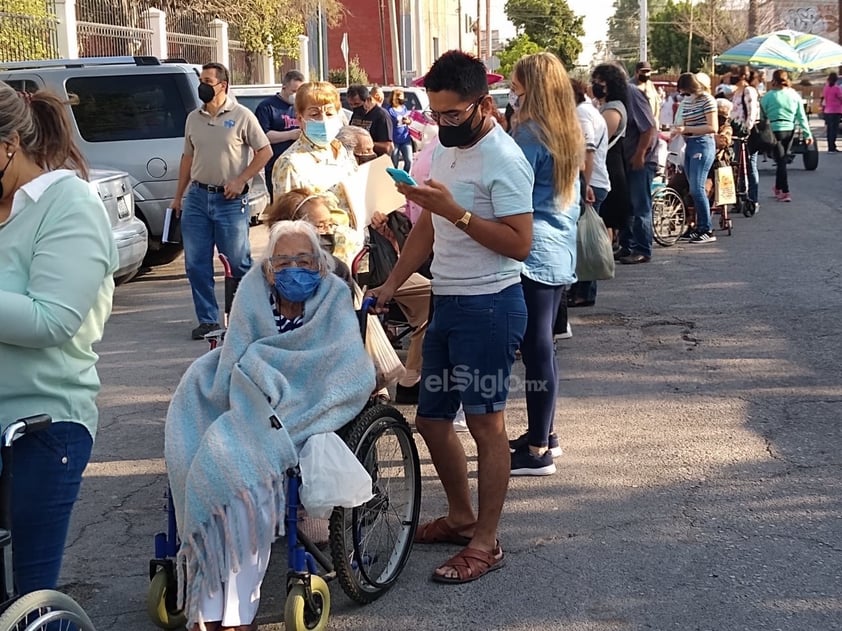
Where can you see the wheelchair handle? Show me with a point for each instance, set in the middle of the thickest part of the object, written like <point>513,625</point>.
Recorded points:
<point>24,426</point>
<point>367,304</point>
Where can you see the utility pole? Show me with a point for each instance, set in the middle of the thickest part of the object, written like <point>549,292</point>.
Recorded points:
<point>690,40</point>
<point>712,39</point>
<point>488,28</point>
<point>479,30</point>
<point>644,30</point>
<point>462,26</point>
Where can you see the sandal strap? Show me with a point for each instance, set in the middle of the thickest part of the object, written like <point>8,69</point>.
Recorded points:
<point>472,560</point>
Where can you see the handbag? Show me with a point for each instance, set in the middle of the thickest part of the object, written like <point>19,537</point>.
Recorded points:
<point>594,255</point>
<point>762,139</point>
<point>725,191</point>
<point>387,365</point>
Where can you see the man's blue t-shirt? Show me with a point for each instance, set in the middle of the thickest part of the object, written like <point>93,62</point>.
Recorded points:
<point>275,114</point>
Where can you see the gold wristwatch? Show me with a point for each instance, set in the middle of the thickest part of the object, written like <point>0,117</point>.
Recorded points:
<point>463,221</point>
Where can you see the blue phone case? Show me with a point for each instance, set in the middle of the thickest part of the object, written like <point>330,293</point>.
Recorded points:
<point>401,176</point>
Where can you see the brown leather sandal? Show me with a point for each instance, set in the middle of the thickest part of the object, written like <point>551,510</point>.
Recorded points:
<point>439,531</point>
<point>471,564</point>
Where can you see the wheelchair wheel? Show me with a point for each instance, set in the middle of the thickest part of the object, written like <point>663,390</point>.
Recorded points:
<point>370,544</point>
<point>299,615</point>
<point>161,602</point>
<point>669,216</point>
<point>43,610</point>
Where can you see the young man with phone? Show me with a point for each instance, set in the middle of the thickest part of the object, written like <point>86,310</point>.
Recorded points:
<point>477,220</point>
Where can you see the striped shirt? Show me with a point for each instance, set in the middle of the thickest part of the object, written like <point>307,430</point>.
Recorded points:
<point>696,108</point>
<point>283,323</point>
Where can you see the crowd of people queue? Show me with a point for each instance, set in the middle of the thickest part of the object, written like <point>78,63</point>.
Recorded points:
<point>494,216</point>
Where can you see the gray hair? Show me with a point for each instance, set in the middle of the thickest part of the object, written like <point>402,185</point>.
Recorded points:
<point>351,135</point>
<point>283,229</point>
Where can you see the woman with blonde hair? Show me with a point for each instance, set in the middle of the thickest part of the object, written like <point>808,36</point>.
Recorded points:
<point>546,128</point>
<point>318,160</point>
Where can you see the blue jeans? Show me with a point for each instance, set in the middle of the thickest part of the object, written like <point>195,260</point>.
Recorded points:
<point>753,176</point>
<point>698,159</point>
<point>538,352</point>
<point>585,290</point>
<point>404,151</point>
<point>469,349</point>
<point>208,220</point>
<point>636,237</point>
<point>47,469</point>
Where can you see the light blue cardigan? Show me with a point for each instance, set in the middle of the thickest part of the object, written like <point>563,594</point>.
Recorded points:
<point>57,255</point>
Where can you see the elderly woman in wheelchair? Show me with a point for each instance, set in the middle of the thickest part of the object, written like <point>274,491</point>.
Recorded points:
<point>242,413</point>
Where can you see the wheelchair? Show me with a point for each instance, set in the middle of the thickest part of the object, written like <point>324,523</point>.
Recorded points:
<point>369,545</point>
<point>669,214</point>
<point>45,609</point>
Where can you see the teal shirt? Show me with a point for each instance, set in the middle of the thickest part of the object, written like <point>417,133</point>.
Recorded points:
<point>57,255</point>
<point>783,109</point>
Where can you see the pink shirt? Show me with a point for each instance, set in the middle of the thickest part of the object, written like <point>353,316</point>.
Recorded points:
<point>421,165</point>
<point>832,95</point>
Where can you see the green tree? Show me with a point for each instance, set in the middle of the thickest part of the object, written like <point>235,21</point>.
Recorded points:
<point>26,30</point>
<point>515,49</point>
<point>551,24</point>
<point>668,42</point>
<point>356,73</point>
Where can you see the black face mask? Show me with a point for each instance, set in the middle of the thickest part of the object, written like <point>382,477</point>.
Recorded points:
<point>362,158</point>
<point>460,135</point>
<point>3,172</point>
<point>206,92</point>
<point>598,90</point>
<point>328,242</point>
<point>643,77</point>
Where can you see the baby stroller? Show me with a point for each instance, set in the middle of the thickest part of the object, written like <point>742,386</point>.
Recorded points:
<point>369,545</point>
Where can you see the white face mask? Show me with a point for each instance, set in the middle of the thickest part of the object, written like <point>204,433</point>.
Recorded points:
<point>322,132</point>
<point>514,101</point>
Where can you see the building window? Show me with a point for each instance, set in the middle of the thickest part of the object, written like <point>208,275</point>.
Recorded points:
<point>436,48</point>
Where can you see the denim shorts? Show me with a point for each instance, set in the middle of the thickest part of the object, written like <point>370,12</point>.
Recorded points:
<point>469,349</point>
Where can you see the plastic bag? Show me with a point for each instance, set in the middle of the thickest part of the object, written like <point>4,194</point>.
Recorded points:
<point>725,191</point>
<point>387,365</point>
<point>594,254</point>
<point>331,476</point>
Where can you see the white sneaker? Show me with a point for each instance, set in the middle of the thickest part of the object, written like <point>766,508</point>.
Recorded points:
<point>459,423</point>
<point>564,336</point>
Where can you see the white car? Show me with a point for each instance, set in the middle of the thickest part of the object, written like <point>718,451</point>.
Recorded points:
<point>114,188</point>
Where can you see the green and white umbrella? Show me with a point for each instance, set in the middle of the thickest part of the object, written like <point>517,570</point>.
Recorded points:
<point>763,50</point>
<point>786,49</point>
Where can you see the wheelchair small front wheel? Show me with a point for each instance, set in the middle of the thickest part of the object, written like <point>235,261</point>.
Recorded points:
<point>45,609</point>
<point>299,614</point>
<point>161,602</point>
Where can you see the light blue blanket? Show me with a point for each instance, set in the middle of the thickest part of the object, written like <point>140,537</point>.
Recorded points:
<point>241,413</point>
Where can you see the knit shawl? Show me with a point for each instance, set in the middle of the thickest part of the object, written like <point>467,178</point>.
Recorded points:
<point>240,415</point>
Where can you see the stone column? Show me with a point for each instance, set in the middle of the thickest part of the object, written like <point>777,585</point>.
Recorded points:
<point>219,31</point>
<point>68,42</point>
<point>304,56</point>
<point>156,21</point>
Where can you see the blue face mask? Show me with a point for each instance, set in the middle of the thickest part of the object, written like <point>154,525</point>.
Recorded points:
<point>297,284</point>
<point>323,132</point>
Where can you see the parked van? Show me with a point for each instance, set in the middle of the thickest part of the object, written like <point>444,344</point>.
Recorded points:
<point>129,114</point>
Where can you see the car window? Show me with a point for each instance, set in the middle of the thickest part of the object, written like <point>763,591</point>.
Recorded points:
<point>114,108</point>
<point>22,85</point>
<point>252,102</point>
<point>501,100</point>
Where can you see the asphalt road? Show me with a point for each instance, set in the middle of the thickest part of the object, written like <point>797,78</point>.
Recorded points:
<point>700,419</point>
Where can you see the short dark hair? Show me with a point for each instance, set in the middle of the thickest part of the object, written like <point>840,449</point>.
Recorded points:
<point>293,75</point>
<point>615,78</point>
<point>580,90</point>
<point>221,71</point>
<point>360,91</point>
<point>457,72</point>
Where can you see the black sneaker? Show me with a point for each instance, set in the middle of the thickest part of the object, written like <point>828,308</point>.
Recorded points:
<point>703,237</point>
<point>522,442</point>
<point>621,253</point>
<point>688,235</point>
<point>203,329</point>
<point>524,462</point>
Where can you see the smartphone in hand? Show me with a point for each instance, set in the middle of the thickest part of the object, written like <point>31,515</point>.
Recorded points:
<point>401,177</point>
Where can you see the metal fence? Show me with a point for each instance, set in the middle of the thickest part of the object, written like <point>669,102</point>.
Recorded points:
<point>189,37</point>
<point>26,37</point>
<point>112,27</point>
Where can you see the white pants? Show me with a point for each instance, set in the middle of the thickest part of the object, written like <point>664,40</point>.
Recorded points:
<point>235,601</point>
